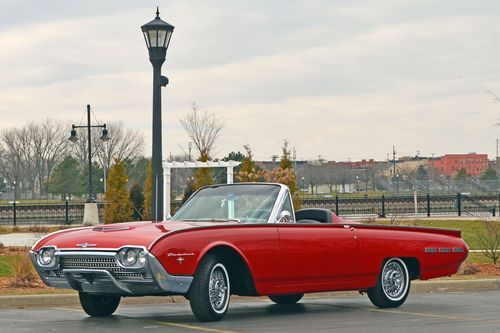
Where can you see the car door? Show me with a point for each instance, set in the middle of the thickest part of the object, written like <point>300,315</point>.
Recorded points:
<point>317,257</point>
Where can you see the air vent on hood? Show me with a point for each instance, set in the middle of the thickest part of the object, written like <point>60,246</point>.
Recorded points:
<point>110,228</point>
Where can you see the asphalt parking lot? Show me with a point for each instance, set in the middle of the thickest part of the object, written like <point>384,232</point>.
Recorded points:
<point>437,312</point>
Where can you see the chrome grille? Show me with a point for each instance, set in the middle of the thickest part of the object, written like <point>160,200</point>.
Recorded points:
<point>105,263</point>
<point>89,263</point>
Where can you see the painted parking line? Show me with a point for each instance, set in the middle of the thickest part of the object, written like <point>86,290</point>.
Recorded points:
<point>163,323</point>
<point>189,327</point>
<point>430,315</point>
<point>420,314</point>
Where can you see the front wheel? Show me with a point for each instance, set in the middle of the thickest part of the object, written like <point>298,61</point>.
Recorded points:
<point>286,299</point>
<point>393,285</point>
<point>210,290</point>
<point>97,305</point>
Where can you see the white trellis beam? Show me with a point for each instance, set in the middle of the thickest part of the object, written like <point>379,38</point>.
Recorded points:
<point>167,173</point>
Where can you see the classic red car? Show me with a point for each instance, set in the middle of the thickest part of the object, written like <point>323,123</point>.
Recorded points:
<point>243,239</point>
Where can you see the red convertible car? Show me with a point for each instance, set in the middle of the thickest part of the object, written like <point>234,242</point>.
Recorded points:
<point>243,239</point>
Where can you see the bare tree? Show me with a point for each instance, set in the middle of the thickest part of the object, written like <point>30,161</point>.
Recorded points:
<point>490,239</point>
<point>11,160</point>
<point>203,129</point>
<point>123,144</point>
<point>312,176</point>
<point>50,145</point>
<point>30,153</point>
<point>27,149</point>
<point>19,158</point>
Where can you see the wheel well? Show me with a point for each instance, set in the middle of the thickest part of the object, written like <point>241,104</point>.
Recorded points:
<point>240,277</point>
<point>413,267</point>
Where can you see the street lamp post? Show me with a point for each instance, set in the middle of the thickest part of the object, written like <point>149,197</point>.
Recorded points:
<point>157,34</point>
<point>104,137</point>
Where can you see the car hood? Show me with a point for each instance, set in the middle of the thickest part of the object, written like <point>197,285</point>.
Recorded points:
<point>114,236</point>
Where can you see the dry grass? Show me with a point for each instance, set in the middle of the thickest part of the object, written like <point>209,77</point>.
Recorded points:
<point>470,269</point>
<point>23,272</point>
<point>38,229</point>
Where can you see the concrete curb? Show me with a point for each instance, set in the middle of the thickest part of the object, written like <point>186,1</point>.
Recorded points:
<point>71,300</point>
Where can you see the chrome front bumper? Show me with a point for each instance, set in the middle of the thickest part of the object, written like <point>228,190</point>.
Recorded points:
<point>98,272</point>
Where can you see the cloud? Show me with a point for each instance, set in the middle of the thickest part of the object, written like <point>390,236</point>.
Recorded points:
<point>338,79</point>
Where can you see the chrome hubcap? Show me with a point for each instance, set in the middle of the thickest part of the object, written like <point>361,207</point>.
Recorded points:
<point>393,280</point>
<point>217,289</point>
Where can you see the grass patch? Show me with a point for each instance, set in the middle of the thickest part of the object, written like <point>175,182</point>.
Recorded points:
<point>470,228</point>
<point>477,258</point>
<point>6,262</point>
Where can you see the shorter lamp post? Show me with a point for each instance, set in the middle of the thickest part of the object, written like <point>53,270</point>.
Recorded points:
<point>74,138</point>
<point>14,203</point>
<point>397,183</point>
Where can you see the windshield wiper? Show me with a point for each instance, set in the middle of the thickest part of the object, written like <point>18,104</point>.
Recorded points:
<point>211,220</point>
<point>219,220</point>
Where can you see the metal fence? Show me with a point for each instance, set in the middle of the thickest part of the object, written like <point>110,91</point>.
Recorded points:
<point>67,212</point>
<point>421,205</point>
<point>43,212</point>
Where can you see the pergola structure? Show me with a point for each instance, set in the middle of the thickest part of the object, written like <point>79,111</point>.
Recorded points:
<point>167,172</point>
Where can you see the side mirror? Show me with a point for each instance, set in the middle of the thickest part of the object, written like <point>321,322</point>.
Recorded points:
<point>285,217</point>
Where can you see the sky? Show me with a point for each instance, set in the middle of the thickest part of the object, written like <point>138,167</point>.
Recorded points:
<point>343,79</point>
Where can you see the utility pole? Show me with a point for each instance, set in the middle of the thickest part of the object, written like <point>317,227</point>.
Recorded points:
<point>497,151</point>
<point>295,159</point>
<point>394,160</point>
<point>433,169</point>
<point>190,146</point>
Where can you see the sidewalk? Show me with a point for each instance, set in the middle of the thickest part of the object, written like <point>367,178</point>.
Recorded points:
<point>20,239</point>
<point>71,300</point>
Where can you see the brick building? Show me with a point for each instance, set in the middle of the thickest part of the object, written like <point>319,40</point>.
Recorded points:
<point>450,164</point>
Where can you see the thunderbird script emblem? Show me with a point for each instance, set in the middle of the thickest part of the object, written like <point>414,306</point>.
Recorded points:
<point>84,245</point>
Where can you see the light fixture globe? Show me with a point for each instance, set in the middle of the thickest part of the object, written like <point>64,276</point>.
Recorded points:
<point>105,136</point>
<point>73,137</point>
<point>157,34</point>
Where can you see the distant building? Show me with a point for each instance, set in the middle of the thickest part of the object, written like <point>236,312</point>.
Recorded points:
<point>363,164</point>
<point>450,164</point>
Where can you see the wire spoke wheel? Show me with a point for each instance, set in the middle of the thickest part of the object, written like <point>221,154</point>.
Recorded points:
<point>393,280</point>
<point>393,285</point>
<point>210,291</point>
<point>217,288</point>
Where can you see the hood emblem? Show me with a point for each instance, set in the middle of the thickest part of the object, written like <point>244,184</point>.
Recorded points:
<point>84,245</point>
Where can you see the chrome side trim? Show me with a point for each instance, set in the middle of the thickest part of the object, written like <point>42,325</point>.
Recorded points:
<point>430,250</point>
<point>444,250</point>
<point>458,250</point>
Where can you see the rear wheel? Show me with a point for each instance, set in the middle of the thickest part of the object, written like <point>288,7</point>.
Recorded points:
<point>210,290</point>
<point>393,285</point>
<point>286,299</point>
<point>98,305</point>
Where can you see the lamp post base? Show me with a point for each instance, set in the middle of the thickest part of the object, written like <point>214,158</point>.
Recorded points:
<point>90,214</point>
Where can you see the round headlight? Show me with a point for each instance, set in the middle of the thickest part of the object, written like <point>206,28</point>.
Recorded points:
<point>46,256</point>
<point>131,257</point>
<point>142,257</point>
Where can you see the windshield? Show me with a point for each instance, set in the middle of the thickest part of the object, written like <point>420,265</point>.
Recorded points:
<point>243,203</point>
